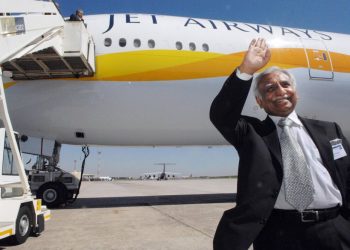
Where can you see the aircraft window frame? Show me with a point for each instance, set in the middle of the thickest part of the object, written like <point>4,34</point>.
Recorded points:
<point>192,46</point>
<point>8,167</point>
<point>179,45</point>
<point>122,42</point>
<point>151,44</point>
<point>137,43</point>
<point>107,42</point>
<point>205,47</point>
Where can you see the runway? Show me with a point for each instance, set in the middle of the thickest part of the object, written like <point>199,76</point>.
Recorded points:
<point>173,214</point>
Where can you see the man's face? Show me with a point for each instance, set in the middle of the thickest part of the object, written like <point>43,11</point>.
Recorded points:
<point>278,95</point>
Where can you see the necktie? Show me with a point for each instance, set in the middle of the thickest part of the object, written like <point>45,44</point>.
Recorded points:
<point>298,184</point>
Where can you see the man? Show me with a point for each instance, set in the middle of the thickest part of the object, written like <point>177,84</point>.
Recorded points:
<point>78,16</point>
<point>293,188</point>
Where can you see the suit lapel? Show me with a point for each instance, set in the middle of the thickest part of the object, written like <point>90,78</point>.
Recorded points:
<point>269,135</point>
<point>318,135</point>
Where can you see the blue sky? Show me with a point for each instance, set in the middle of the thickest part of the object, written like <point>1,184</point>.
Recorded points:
<point>323,15</point>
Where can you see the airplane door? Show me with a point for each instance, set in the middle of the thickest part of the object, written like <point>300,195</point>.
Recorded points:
<point>318,58</point>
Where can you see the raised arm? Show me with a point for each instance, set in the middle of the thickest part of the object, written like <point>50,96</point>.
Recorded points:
<point>228,104</point>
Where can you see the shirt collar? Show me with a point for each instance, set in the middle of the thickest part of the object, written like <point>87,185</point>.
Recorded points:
<point>293,116</point>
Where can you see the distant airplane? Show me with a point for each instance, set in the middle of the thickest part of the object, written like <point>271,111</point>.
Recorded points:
<point>104,178</point>
<point>156,77</point>
<point>164,175</point>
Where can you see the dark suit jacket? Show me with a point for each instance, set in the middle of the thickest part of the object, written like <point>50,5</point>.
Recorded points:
<point>260,166</point>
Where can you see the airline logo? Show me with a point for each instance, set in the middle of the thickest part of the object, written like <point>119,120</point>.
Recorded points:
<point>225,25</point>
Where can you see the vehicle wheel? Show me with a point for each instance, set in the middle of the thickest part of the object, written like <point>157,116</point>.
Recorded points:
<point>51,194</point>
<point>24,223</point>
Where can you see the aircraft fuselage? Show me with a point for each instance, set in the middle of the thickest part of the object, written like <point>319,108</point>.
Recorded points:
<point>156,77</point>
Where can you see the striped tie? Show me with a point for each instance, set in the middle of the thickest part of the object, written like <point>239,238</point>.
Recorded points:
<point>296,174</point>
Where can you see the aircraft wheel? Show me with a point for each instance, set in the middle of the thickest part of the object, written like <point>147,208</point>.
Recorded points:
<point>24,223</point>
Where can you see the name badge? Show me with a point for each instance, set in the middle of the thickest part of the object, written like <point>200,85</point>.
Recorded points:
<point>338,149</point>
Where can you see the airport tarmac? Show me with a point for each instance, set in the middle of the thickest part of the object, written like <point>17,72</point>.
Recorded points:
<point>173,214</point>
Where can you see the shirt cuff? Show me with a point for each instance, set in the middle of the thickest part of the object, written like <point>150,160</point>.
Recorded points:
<point>243,76</point>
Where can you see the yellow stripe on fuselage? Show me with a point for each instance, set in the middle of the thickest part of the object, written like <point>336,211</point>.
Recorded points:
<point>167,65</point>
<point>156,65</point>
<point>8,84</point>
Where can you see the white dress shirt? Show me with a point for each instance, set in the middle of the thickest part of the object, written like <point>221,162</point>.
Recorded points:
<point>326,193</point>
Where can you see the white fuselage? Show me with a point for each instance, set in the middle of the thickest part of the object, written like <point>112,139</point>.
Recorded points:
<point>137,102</point>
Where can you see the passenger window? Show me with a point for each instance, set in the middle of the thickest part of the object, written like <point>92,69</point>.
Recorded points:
<point>151,44</point>
<point>192,46</point>
<point>108,42</point>
<point>122,42</point>
<point>137,43</point>
<point>205,47</point>
<point>178,45</point>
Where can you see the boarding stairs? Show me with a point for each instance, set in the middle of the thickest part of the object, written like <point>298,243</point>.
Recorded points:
<point>37,43</point>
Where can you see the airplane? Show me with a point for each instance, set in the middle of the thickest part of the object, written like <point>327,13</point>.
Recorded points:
<point>157,75</point>
<point>164,175</point>
<point>104,178</point>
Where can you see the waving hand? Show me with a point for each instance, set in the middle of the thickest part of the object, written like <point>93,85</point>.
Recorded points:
<point>257,56</point>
